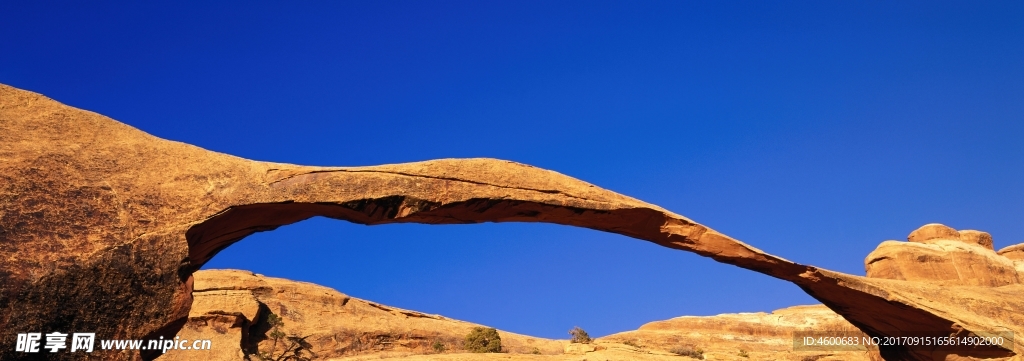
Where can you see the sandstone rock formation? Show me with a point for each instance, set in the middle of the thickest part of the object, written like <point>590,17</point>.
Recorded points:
<point>761,336</point>
<point>333,324</point>
<point>937,253</point>
<point>954,271</point>
<point>103,225</point>
<point>231,307</point>
<point>1014,252</point>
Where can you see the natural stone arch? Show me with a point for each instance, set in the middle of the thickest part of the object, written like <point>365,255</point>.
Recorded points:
<point>455,191</point>
<point>102,226</point>
<point>465,191</point>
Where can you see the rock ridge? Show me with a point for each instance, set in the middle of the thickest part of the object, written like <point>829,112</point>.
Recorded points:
<point>331,324</point>
<point>359,329</point>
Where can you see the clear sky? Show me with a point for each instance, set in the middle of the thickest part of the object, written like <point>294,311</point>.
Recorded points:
<point>812,130</point>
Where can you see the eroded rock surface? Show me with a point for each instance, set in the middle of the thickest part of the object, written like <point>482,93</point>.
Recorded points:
<point>103,225</point>
<point>937,253</point>
<point>760,336</point>
<point>333,324</point>
<point>231,308</point>
<point>1014,252</point>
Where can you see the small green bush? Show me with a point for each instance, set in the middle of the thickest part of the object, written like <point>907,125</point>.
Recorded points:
<point>579,336</point>
<point>481,340</point>
<point>295,348</point>
<point>438,347</point>
<point>688,351</point>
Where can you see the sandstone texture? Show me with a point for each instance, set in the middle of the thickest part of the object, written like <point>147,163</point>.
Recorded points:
<point>1014,252</point>
<point>103,225</point>
<point>231,307</point>
<point>761,336</point>
<point>331,323</point>
<point>939,254</point>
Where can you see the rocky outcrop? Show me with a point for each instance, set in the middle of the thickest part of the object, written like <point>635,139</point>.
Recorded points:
<point>957,272</point>
<point>1014,252</point>
<point>103,225</point>
<point>329,323</point>
<point>937,253</point>
<point>231,308</point>
<point>759,336</point>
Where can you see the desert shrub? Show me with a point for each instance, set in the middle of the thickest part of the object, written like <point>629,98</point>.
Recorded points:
<point>688,351</point>
<point>482,339</point>
<point>632,343</point>
<point>579,336</point>
<point>438,347</point>
<point>535,351</point>
<point>283,347</point>
<point>744,354</point>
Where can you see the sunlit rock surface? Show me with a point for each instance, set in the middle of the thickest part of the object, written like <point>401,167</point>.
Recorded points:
<point>333,324</point>
<point>936,253</point>
<point>760,336</point>
<point>102,226</point>
<point>231,308</point>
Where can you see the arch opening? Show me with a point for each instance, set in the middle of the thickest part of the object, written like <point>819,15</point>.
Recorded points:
<point>231,225</point>
<point>535,279</point>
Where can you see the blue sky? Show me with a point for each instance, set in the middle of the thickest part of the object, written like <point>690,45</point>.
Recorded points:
<point>812,130</point>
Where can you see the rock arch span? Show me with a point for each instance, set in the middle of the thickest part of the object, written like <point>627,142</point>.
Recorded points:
<point>464,191</point>
<point>103,224</point>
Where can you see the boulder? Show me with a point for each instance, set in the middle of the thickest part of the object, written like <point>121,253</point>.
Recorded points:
<point>977,237</point>
<point>933,232</point>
